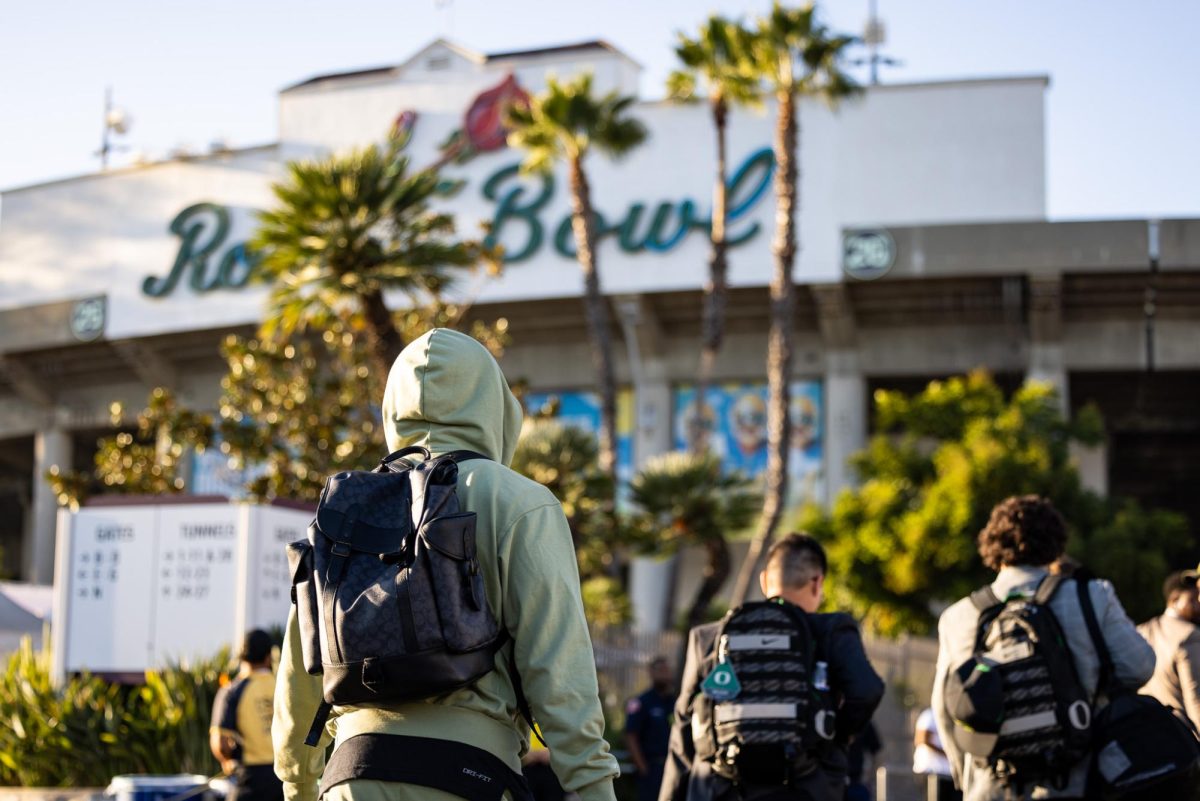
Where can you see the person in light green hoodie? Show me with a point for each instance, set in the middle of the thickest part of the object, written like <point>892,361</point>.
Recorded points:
<point>447,393</point>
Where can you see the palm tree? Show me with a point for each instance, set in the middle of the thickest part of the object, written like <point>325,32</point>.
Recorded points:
<point>716,64</point>
<point>562,124</point>
<point>345,229</point>
<point>795,56</point>
<point>687,499</point>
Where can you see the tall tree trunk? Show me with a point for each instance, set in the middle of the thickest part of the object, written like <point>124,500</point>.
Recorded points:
<point>779,346</point>
<point>712,323</point>
<point>595,310</point>
<point>715,573</point>
<point>383,337</point>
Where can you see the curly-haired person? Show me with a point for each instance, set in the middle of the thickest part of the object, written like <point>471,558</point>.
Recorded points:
<point>1024,541</point>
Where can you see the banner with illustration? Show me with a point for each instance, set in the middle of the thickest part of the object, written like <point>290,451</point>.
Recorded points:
<point>582,410</point>
<point>735,428</point>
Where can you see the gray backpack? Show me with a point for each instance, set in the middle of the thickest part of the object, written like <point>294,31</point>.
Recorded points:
<point>387,587</point>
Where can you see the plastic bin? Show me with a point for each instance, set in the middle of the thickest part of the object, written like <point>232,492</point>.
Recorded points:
<point>149,787</point>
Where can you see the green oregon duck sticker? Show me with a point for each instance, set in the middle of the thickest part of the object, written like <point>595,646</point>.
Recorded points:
<point>722,684</point>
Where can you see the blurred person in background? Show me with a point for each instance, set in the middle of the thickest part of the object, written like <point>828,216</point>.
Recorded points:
<point>861,760</point>
<point>1175,637</point>
<point>240,735</point>
<point>930,762</point>
<point>536,766</point>
<point>1024,536</point>
<point>648,729</point>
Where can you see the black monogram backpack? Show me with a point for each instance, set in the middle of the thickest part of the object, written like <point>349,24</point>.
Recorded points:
<point>387,586</point>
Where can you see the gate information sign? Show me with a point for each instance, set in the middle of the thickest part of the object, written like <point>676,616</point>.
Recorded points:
<point>141,585</point>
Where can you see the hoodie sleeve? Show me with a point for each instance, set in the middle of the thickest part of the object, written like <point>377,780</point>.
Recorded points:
<point>543,612</point>
<point>853,676</point>
<point>297,696</point>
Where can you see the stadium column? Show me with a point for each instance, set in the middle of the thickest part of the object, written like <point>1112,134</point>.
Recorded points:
<point>650,579</point>
<point>845,418</point>
<point>845,398</point>
<point>1046,360</point>
<point>1048,363</point>
<point>51,446</point>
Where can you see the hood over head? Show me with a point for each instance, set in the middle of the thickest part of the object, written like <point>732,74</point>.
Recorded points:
<point>447,393</point>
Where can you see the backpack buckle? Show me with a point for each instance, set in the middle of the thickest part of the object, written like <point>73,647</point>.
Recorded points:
<point>340,548</point>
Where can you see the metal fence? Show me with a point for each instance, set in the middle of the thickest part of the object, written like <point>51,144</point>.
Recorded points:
<point>623,658</point>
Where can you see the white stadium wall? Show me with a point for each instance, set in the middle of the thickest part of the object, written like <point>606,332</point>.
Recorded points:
<point>936,153</point>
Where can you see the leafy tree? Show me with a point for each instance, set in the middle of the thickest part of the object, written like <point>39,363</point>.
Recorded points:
<point>346,229</point>
<point>1135,548</point>
<point>86,730</point>
<point>902,544</point>
<point>716,66</point>
<point>300,411</point>
<point>145,461</point>
<point>686,499</point>
<point>564,459</point>
<point>796,57</point>
<point>562,125</point>
<point>296,411</point>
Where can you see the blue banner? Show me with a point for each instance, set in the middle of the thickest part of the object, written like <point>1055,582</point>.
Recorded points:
<point>735,428</point>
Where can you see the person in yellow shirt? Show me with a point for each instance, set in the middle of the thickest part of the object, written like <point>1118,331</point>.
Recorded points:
<point>240,734</point>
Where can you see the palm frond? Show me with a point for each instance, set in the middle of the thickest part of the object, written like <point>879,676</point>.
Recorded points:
<point>718,62</point>
<point>793,52</point>
<point>566,119</point>
<point>348,225</point>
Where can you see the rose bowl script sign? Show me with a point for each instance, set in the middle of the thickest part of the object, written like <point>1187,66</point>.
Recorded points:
<point>140,586</point>
<point>208,258</point>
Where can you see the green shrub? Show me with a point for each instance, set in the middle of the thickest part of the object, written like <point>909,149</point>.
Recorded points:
<point>88,730</point>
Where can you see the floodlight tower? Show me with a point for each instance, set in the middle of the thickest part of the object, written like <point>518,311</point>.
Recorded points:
<point>116,121</point>
<point>874,35</point>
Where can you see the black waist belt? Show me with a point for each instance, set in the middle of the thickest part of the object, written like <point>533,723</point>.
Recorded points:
<point>456,768</point>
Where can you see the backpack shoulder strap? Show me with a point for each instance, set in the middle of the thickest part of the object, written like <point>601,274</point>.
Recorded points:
<point>1106,683</point>
<point>518,688</point>
<point>985,598</point>
<point>1046,588</point>
<point>466,456</point>
<point>989,607</point>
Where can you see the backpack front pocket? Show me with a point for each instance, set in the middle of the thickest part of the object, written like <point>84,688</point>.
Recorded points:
<point>304,596</point>
<point>458,587</point>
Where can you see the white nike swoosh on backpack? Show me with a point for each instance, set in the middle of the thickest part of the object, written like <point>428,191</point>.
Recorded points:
<point>759,642</point>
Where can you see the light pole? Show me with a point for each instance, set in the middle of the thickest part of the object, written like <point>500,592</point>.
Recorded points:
<point>116,121</point>
<point>874,35</point>
<point>1150,296</point>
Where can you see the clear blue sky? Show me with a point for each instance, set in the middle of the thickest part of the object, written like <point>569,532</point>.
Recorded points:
<point>1122,112</point>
